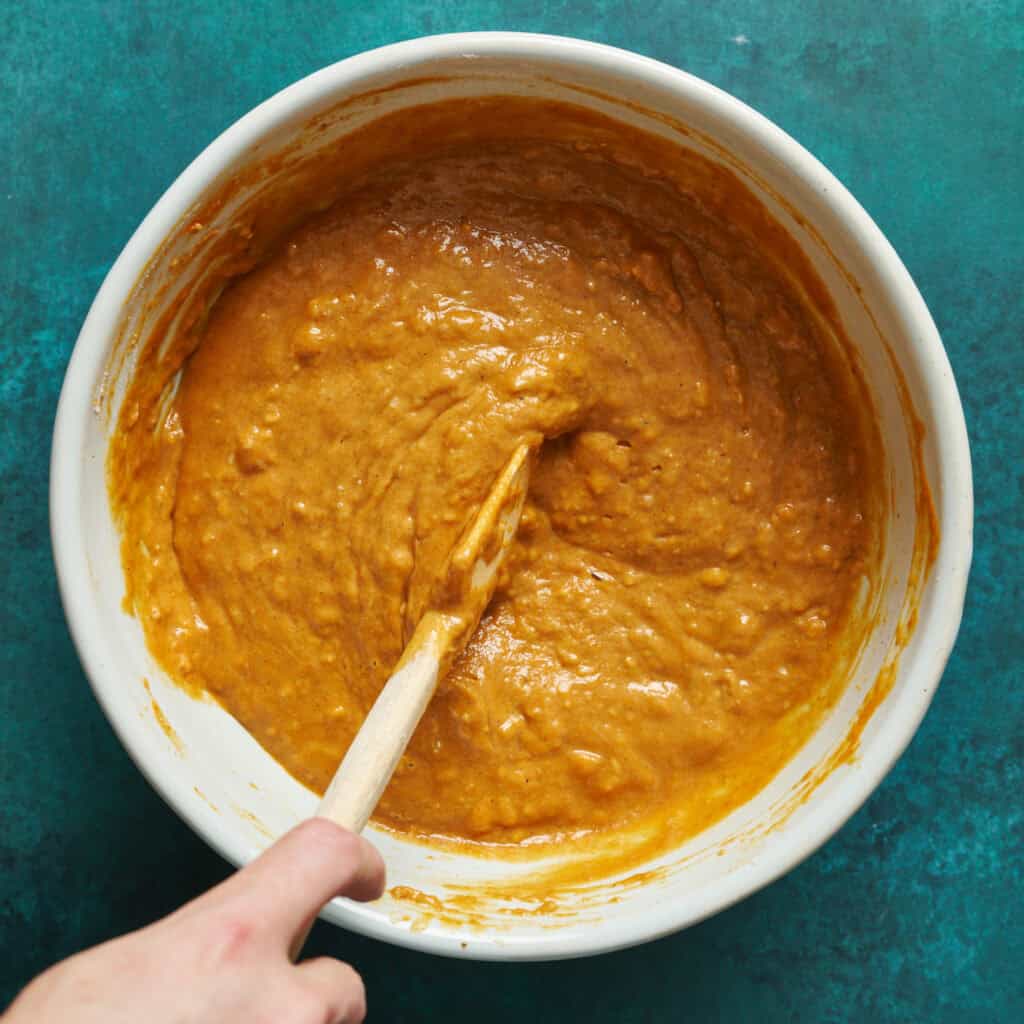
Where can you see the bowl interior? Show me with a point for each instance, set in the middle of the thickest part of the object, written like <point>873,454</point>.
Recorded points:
<point>228,789</point>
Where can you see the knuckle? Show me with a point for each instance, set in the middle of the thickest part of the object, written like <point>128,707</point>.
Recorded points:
<point>231,939</point>
<point>341,989</point>
<point>355,998</point>
<point>349,980</point>
<point>306,1007</point>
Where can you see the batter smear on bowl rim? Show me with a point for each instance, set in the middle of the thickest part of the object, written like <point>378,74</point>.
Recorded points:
<point>682,603</point>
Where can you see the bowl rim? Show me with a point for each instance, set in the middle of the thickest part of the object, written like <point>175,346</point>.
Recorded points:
<point>939,622</point>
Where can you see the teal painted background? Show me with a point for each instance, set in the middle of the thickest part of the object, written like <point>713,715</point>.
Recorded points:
<point>914,911</point>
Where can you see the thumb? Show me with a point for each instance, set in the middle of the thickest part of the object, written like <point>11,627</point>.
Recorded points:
<point>285,887</point>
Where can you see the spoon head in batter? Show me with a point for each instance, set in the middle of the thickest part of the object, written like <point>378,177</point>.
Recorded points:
<point>471,572</point>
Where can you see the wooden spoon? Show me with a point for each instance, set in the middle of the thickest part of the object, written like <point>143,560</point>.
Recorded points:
<point>452,615</point>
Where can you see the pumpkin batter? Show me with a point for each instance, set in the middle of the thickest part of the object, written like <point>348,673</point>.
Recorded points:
<point>680,605</point>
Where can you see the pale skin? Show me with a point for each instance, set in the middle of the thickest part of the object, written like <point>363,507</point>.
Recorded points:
<point>224,957</point>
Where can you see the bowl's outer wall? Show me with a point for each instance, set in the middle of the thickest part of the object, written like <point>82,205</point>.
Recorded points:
<point>210,785</point>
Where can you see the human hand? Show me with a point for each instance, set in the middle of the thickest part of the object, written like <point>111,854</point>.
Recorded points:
<point>224,957</point>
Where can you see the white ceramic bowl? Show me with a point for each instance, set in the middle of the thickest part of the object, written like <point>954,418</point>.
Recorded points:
<point>237,798</point>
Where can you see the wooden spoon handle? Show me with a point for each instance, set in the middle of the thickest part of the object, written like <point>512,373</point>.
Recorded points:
<point>371,759</point>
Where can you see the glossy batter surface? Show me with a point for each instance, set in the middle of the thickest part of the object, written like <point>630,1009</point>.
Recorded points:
<point>676,614</point>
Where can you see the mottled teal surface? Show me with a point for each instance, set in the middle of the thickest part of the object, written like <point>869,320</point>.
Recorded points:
<point>914,911</point>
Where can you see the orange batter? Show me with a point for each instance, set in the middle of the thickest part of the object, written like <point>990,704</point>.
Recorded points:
<point>679,608</point>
